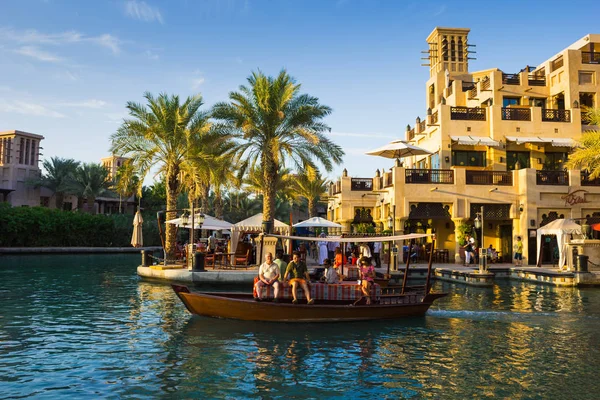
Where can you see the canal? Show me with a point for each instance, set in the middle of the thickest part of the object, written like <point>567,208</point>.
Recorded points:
<point>85,326</point>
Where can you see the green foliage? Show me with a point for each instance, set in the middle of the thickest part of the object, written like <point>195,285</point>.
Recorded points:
<point>463,231</point>
<point>44,227</point>
<point>364,228</point>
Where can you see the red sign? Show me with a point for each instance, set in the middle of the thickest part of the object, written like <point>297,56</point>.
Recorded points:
<point>575,197</point>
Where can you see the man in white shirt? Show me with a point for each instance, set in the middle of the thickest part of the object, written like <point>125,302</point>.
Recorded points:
<point>376,251</point>
<point>268,275</point>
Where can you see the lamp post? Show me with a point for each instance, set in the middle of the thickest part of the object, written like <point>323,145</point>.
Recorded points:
<point>479,223</point>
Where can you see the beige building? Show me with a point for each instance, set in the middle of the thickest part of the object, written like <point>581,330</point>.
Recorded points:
<point>497,140</point>
<point>19,161</point>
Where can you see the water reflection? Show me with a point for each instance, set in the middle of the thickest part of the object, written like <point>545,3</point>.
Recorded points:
<point>87,327</point>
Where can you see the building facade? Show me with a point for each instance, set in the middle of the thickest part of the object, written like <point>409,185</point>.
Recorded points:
<point>19,161</point>
<point>498,144</point>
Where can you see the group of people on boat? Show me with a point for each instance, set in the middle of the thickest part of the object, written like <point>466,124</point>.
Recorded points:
<point>278,275</point>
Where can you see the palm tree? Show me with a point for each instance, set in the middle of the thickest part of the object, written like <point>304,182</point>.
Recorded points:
<point>311,186</point>
<point>59,173</point>
<point>284,186</point>
<point>164,133</point>
<point>587,157</point>
<point>276,124</point>
<point>90,181</point>
<point>126,182</point>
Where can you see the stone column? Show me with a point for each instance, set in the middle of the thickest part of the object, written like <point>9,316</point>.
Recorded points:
<point>457,223</point>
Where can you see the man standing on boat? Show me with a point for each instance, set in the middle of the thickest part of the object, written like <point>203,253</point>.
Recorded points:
<point>268,275</point>
<point>297,273</point>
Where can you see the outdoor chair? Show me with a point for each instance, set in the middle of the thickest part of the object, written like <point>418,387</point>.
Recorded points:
<point>242,260</point>
<point>209,260</point>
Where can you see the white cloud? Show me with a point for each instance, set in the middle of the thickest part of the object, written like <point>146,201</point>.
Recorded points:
<point>151,55</point>
<point>440,11</point>
<point>25,108</point>
<point>33,37</point>
<point>142,11</point>
<point>41,55</point>
<point>91,103</point>
<point>196,82</point>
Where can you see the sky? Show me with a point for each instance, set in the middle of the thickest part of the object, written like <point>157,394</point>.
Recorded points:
<point>68,68</point>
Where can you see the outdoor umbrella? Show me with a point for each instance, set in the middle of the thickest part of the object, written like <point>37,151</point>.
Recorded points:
<point>316,222</point>
<point>136,239</point>
<point>398,149</point>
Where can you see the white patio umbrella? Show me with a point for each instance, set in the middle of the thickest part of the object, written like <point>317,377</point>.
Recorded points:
<point>210,223</point>
<point>398,149</point>
<point>316,222</point>
<point>136,239</point>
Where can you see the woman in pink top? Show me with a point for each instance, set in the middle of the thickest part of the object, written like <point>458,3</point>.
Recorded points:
<point>367,273</point>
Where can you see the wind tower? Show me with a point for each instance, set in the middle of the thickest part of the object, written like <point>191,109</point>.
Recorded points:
<point>448,50</point>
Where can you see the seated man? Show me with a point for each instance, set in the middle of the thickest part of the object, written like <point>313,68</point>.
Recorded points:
<point>282,265</point>
<point>297,274</point>
<point>331,275</point>
<point>268,274</point>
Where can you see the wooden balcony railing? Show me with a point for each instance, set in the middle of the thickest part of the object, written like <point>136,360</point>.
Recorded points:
<point>557,63</point>
<point>555,178</point>
<point>516,114</point>
<point>410,135</point>
<point>361,184</point>
<point>549,115</point>
<point>434,118</point>
<point>536,80</point>
<point>500,178</point>
<point>511,79</point>
<point>586,181</point>
<point>442,176</point>
<point>422,126</point>
<point>473,93</point>
<point>337,187</point>
<point>388,180</point>
<point>467,113</point>
<point>588,57</point>
<point>486,83</point>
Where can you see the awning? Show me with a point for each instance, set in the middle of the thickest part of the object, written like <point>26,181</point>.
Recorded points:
<point>556,142</point>
<point>475,140</point>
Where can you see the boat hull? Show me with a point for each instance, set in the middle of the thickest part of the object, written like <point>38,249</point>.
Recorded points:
<point>243,307</point>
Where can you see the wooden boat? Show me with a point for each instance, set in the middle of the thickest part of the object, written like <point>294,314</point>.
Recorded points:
<point>243,306</point>
<point>388,304</point>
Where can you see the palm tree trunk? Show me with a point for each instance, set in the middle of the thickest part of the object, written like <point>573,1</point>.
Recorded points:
<point>91,204</point>
<point>311,208</point>
<point>218,204</point>
<point>60,200</point>
<point>270,178</point>
<point>172,190</point>
<point>205,189</point>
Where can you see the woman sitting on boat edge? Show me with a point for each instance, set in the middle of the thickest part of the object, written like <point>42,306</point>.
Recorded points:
<point>367,273</point>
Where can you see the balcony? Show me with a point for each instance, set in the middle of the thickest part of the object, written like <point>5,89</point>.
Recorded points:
<point>467,113</point>
<point>536,80</point>
<point>516,114</point>
<point>586,181</point>
<point>422,126</point>
<point>388,180</point>
<point>588,57</point>
<point>549,115</point>
<point>361,184</point>
<point>554,178</point>
<point>511,79</point>
<point>434,118</point>
<point>499,178</point>
<point>442,176</point>
<point>557,63</point>
<point>337,187</point>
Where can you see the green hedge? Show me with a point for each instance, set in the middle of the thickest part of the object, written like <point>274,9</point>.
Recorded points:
<point>43,227</point>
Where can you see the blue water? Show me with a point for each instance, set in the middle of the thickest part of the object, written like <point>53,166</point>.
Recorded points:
<point>87,327</point>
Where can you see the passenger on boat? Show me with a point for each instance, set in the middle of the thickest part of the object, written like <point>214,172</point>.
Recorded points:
<point>331,275</point>
<point>340,259</point>
<point>365,251</point>
<point>322,250</point>
<point>268,274</point>
<point>281,264</point>
<point>367,273</point>
<point>297,274</point>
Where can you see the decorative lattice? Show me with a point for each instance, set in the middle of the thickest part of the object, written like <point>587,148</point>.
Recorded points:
<point>429,211</point>
<point>491,211</point>
<point>551,216</point>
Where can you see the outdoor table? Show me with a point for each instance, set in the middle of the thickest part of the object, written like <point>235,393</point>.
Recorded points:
<point>222,259</point>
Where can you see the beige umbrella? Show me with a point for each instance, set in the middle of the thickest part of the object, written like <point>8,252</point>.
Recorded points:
<point>398,149</point>
<point>136,239</point>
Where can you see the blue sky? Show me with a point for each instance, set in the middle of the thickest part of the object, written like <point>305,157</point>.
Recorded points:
<point>67,68</point>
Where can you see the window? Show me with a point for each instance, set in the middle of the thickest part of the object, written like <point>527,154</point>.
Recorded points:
<point>45,201</point>
<point>510,101</point>
<point>67,206</point>
<point>434,161</point>
<point>468,158</point>
<point>555,161</point>
<point>21,150</point>
<point>586,78</point>
<point>537,102</point>
<point>520,157</point>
